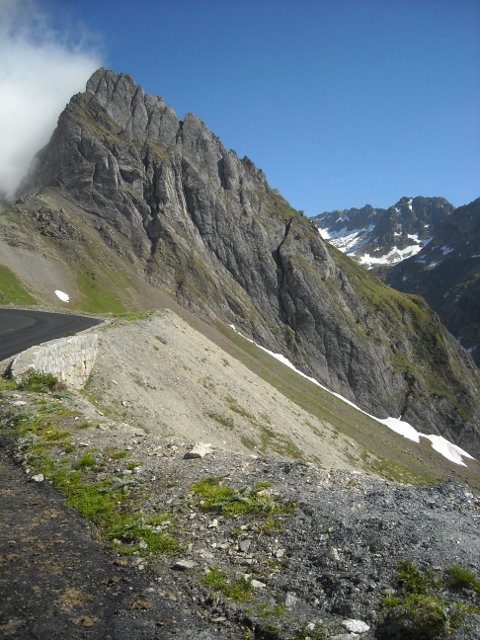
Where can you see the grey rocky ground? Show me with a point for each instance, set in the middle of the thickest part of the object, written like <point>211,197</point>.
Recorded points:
<point>328,551</point>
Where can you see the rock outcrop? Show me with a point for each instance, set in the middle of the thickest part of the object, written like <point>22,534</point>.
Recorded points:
<point>447,274</point>
<point>194,219</point>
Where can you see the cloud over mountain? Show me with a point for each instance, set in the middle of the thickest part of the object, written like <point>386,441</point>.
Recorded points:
<point>40,71</point>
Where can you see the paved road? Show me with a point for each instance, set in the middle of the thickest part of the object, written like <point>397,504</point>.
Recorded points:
<point>22,328</point>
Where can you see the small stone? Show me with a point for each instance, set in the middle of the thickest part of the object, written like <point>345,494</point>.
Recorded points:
<point>279,553</point>
<point>244,545</point>
<point>256,584</point>
<point>184,565</point>
<point>289,599</point>
<point>199,450</point>
<point>38,478</point>
<point>19,403</point>
<point>333,554</point>
<point>213,524</point>
<point>355,626</point>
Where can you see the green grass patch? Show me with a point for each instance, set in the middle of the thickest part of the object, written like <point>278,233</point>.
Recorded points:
<point>413,579</point>
<point>87,461</point>
<point>426,607</point>
<point>231,502</point>
<point>240,590</point>
<point>115,509</point>
<point>7,385</point>
<point>39,382</point>
<point>462,578</point>
<point>116,454</point>
<point>415,617</point>
<point>11,289</point>
<point>98,296</point>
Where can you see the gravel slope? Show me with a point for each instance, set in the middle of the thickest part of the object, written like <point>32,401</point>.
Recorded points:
<point>161,375</point>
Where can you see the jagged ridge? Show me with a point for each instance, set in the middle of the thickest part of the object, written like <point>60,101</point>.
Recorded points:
<point>176,206</point>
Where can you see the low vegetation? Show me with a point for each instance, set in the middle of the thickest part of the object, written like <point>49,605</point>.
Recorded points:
<point>112,503</point>
<point>11,289</point>
<point>40,382</point>
<point>427,607</point>
<point>239,590</point>
<point>254,501</point>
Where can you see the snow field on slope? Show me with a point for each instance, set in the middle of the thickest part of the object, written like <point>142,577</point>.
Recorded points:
<point>440,444</point>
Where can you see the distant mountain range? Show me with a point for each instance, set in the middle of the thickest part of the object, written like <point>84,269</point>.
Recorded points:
<point>127,201</point>
<point>377,237</point>
<point>446,272</point>
<point>423,246</point>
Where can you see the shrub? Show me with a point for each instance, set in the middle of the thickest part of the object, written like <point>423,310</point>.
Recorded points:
<point>413,579</point>
<point>460,577</point>
<point>416,617</point>
<point>40,382</point>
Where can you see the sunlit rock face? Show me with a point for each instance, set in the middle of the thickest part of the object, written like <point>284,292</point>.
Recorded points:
<point>192,218</point>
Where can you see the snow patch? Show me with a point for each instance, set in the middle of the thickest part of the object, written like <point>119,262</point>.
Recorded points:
<point>448,449</point>
<point>347,241</point>
<point>442,446</point>
<point>394,256</point>
<point>446,250</point>
<point>414,237</point>
<point>64,297</point>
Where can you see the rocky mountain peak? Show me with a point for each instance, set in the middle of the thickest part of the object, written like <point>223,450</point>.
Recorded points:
<point>189,217</point>
<point>142,115</point>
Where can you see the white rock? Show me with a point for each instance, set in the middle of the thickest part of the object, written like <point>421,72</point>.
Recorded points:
<point>184,565</point>
<point>333,554</point>
<point>19,403</point>
<point>290,601</point>
<point>199,450</point>
<point>256,584</point>
<point>38,478</point>
<point>355,626</point>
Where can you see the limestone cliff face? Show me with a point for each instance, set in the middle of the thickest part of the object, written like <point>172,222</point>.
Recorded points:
<point>197,220</point>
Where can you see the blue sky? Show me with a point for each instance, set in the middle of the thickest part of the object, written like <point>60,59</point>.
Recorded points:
<point>340,102</point>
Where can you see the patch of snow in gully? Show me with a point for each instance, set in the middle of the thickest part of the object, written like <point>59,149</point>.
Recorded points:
<point>442,446</point>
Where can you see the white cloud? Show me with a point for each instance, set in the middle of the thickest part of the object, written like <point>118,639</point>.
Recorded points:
<point>40,69</point>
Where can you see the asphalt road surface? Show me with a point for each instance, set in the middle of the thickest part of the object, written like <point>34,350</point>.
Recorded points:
<point>23,328</point>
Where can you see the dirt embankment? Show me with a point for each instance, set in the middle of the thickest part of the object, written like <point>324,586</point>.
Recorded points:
<point>162,376</point>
